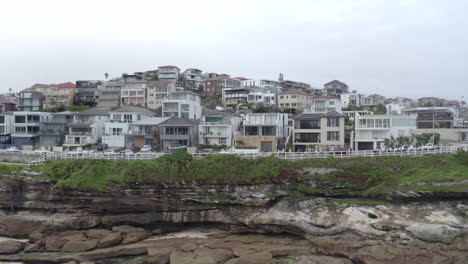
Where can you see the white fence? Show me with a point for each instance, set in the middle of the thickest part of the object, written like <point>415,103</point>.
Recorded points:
<point>280,155</point>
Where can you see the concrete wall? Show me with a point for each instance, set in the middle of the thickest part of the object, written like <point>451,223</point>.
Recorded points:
<point>256,141</point>
<point>449,134</point>
<point>19,157</point>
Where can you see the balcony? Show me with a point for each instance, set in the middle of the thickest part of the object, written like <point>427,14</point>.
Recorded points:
<point>175,137</point>
<point>141,133</point>
<point>214,134</point>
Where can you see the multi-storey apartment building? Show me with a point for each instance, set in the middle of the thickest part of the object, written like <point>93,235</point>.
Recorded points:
<point>26,127</point>
<point>294,100</point>
<point>53,128</point>
<point>323,104</point>
<point>179,131</point>
<point>61,95</point>
<point>371,131</point>
<point>287,84</point>
<point>318,131</point>
<point>335,88</point>
<point>182,105</point>
<point>433,117</point>
<point>87,127</point>
<point>265,131</point>
<point>117,127</point>
<point>29,100</point>
<point>233,92</point>
<point>372,101</point>
<point>169,73</point>
<point>147,131</point>
<point>6,126</point>
<point>193,79</point>
<point>133,91</point>
<point>158,91</point>
<point>86,92</point>
<point>108,94</point>
<point>219,128</point>
<point>351,100</point>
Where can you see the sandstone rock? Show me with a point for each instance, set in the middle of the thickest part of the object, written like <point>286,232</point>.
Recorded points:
<point>218,255</point>
<point>188,247</point>
<point>263,257</point>
<point>54,243</point>
<point>10,247</point>
<point>243,251</point>
<point>71,233</point>
<point>33,247</point>
<point>112,239</point>
<point>36,236</point>
<point>435,232</point>
<point>180,257</point>
<point>98,233</point>
<point>127,229</point>
<point>80,245</point>
<point>290,250</point>
<point>205,260</point>
<point>16,226</point>
<point>129,238</point>
<point>159,255</point>
<point>386,226</point>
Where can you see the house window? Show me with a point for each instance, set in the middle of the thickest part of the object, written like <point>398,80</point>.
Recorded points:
<point>222,141</point>
<point>251,131</point>
<point>268,131</point>
<point>333,136</point>
<point>2,120</point>
<point>116,131</point>
<point>333,121</point>
<point>20,119</point>
<point>20,129</point>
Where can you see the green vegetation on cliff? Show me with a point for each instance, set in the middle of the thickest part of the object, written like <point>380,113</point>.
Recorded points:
<point>361,176</point>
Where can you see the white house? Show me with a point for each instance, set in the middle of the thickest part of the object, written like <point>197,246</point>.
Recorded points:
<point>87,127</point>
<point>25,127</point>
<point>182,105</point>
<point>394,108</point>
<point>219,128</point>
<point>351,99</point>
<point>158,91</point>
<point>116,129</point>
<point>371,131</point>
<point>324,104</point>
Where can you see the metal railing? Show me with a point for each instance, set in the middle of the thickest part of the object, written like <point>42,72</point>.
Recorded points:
<point>280,155</point>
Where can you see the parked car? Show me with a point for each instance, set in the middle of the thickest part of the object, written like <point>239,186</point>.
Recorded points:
<point>110,152</point>
<point>204,152</point>
<point>13,149</point>
<point>340,151</point>
<point>41,150</point>
<point>429,146</point>
<point>75,152</point>
<point>146,148</point>
<point>176,147</point>
<point>102,147</point>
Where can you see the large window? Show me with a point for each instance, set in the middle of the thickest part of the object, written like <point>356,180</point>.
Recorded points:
<point>333,121</point>
<point>309,124</point>
<point>268,131</point>
<point>333,136</point>
<point>116,131</point>
<point>251,131</point>
<point>2,119</point>
<point>222,141</point>
<point>20,119</point>
<point>177,130</point>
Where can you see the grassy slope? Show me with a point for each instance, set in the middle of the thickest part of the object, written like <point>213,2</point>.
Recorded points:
<point>376,176</point>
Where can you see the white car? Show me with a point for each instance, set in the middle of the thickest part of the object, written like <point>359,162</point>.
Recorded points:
<point>146,148</point>
<point>109,152</point>
<point>13,149</point>
<point>75,152</point>
<point>429,146</point>
<point>41,150</point>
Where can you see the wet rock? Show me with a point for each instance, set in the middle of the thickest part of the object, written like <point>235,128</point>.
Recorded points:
<point>112,239</point>
<point>80,245</point>
<point>10,247</point>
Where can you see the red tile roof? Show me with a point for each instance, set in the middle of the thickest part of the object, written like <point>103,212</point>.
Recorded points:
<point>241,78</point>
<point>324,97</point>
<point>66,85</point>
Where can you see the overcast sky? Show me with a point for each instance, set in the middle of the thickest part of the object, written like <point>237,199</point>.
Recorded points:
<point>410,48</point>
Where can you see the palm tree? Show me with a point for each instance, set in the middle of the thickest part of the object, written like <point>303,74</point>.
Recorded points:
<point>106,75</point>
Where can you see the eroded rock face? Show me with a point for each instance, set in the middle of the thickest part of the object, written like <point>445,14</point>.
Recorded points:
<point>434,230</point>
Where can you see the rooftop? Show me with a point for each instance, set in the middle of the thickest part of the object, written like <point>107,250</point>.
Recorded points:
<point>151,121</point>
<point>66,85</point>
<point>133,109</point>
<point>180,122</point>
<point>294,91</point>
<point>96,111</point>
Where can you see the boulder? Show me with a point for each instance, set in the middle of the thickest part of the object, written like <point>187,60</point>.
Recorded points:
<point>54,243</point>
<point>205,260</point>
<point>10,247</point>
<point>36,236</point>
<point>435,232</point>
<point>180,257</point>
<point>33,247</point>
<point>112,239</point>
<point>97,233</point>
<point>134,237</point>
<point>14,226</point>
<point>159,255</point>
<point>188,247</point>
<point>315,259</point>
<point>80,245</point>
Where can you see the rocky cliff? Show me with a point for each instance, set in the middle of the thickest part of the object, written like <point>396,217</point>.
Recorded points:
<point>300,227</point>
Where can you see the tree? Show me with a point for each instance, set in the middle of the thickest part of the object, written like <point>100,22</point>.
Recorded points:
<point>380,110</point>
<point>106,75</point>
